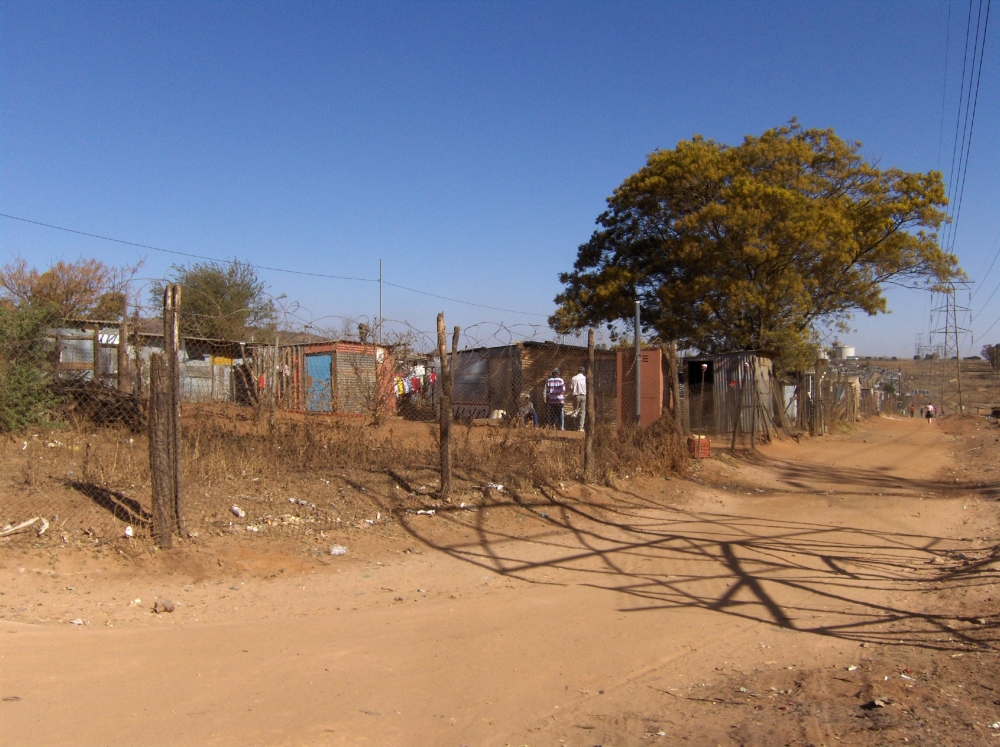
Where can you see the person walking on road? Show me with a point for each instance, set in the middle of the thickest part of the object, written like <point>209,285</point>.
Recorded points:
<point>578,388</point>
<point>555,398</point>
<point>930,412</point>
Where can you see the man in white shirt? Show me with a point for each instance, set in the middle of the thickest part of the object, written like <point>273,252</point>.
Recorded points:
<point>578,388</point>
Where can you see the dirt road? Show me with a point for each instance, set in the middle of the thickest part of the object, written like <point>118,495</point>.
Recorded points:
<point>723,608</point>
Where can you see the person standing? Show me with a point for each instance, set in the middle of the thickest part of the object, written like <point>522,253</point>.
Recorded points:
<point>930,412</point>
<point>578,388</point>
<point>555,398</point>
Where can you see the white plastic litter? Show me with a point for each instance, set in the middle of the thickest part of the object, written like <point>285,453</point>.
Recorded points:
<point>428,512</point>
<point>495,486</point>
<point>238,512</point>
<point>129,531</point>
<point>338,550</point>
<point>77,621</point>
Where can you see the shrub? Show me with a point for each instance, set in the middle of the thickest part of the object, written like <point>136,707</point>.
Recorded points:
<point>26,397</point>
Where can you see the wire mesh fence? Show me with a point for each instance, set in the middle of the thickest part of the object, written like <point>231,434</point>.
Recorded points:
<point>277,433</point>
<point>275,437</point>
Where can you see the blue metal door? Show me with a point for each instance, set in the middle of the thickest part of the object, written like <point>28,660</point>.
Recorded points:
<point>319,383</point>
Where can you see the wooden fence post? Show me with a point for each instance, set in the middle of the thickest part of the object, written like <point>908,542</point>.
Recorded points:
<point>445,414</point>
<point>171,344</point>
<point>739,415</point>
<point>161,472</point>
<point>273,384</point>
<point>97,355</point>
<point>673,386</point>
<point>590,412</point>
<point>123,377</point>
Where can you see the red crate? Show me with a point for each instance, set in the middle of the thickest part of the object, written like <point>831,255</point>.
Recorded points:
<point>699,447</point>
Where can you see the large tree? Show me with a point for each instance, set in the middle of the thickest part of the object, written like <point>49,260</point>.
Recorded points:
<point>222,301</point>
<point>756,246</point>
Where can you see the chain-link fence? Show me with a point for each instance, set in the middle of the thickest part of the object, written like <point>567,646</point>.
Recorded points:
<point>276,436</point>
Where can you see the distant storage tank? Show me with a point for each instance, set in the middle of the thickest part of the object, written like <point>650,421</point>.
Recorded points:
<point>842,352</point>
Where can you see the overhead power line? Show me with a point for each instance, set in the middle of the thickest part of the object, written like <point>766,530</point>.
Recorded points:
<point>271,269</point>
<point>944,87</point>
<point>971,121</point>
<point>955,157</point>
<point>996,254</point>
<point>184,254</point>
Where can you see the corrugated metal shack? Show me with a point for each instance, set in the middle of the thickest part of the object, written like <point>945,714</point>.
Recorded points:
<point>719,388</point>
<point>210,369</point>
<point>334,376</point>
<point>88,350</point>
<point>492,378</point>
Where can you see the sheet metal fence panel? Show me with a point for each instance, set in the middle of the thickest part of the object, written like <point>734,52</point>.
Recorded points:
<point>354,381</point>
<point>718,389</point>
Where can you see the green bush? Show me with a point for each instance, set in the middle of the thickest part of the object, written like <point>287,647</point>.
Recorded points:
<point>26,396</point>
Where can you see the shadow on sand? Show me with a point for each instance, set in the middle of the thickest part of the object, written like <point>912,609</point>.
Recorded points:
<point>851,582</point>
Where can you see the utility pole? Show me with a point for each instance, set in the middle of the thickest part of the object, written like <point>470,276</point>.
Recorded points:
<point>948,329</point>
<point>379,328</point>
<point>638,366</point>
<point>958,354</point>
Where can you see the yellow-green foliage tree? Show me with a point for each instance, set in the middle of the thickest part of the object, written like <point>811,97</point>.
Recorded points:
<point>222,300</point>
<point>755,246</point>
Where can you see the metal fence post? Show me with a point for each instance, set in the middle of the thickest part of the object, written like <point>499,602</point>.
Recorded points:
<point>638,365</point>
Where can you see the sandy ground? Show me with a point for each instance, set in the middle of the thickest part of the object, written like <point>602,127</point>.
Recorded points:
<point>833,591</point>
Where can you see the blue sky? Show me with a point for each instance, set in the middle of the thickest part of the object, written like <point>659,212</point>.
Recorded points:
<point>468,145</point>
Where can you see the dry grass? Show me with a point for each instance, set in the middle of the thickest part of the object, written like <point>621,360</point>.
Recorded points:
<point>303,477</point>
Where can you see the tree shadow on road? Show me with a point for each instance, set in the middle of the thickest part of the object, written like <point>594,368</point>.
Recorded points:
<point>850,582</point>
<point>804,476</point>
